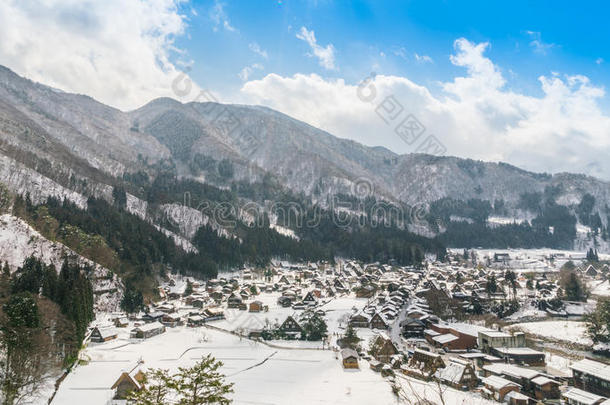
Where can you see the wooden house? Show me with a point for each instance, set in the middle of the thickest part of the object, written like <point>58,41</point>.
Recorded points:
<point>255,306</point>
<point>127,383</point>
<point>458,374</point>
<point>412,328</point>
<point>171,320</point>
<point>376,365</point>
<point>426,362</point>
<point>545,388</point>
<point>360,320</point>
<point>152,316</point>
<point>384,348</point>
<point>195,320</point>
<point>349,358</point>
<point>234,301</point>
<point>147,331</point>
<point>310,298</point>
<point>213,314</point>
<point>103,335</point>
<point>378,321</point>
<point>290,325</point>
<point>121,322</point>
<point>497,387</point>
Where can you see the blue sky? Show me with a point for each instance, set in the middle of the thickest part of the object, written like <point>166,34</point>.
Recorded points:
<point>521,82</point>
<point>528,39</point>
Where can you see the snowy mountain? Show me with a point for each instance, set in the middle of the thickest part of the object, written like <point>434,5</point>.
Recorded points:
<point>71,146</point>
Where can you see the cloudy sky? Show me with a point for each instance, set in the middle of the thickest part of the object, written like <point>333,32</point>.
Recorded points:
<point>522,83</point>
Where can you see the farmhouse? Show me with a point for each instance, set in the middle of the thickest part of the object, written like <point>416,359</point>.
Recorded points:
<point>497,387</point>
<point>412,327</point>
<point>127,383</point>
<point>360,320</point>
<point>195,320</point>
<point>426,362</point>
<point>171,320</point>
<point>383,348</point>
<point>459,374</point>
<point>378,322</point>
<point>213,314</point>
<point>103,335</point>
<point>234,301</point>
<point>147,331</point>
<point>545,388</point>
<point>152,316</point>
<point>121,322</point>
<point>290,325</point>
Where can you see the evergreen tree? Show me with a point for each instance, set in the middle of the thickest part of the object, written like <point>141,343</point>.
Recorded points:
<point>202,383</point>
<point>491,286</point>
<point>574,288</point>
<point>189,288</point>
<point>132,300</point>
<point>351,338</point>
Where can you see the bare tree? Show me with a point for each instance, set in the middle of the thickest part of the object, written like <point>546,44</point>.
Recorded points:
<point>434,393</point>
<point>31,330</point>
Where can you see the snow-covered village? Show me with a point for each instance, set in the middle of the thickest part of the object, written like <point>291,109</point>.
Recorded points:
<point>486,327</point>
<point>304,202</point>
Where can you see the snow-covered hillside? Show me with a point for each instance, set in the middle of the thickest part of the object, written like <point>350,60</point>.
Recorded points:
<point>18,241</point>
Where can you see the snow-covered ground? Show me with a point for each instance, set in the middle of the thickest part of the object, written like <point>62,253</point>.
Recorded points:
<point>568,331</point>
<point>600,288</point>
<point>262,374</point>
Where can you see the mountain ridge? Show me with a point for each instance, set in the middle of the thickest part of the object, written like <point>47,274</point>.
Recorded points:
<point>92,147</point>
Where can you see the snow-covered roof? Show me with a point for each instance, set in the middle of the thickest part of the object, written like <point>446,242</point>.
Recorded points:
<point>149,326</point>
<point>446,338</point>
<point>517,351</point>
<point>582,397</point>
<point>541,380</point>
<point>512,370</point>
<point>497,382</point>
<point>452,372</point>
<point>592,367</point>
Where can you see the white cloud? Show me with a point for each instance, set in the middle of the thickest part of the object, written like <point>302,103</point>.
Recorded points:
<point>423,58</point>
<point>254,47</point>
<point>220,18</point>
<point>476,115</point>
<point>400,52</point>
<point>245,73</point>
<point>599,61</point>
<point>325,55</point>
<point>537,44</point>
<point>116,51</point>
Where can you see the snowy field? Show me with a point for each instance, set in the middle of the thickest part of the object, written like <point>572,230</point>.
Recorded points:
<point>281,372</point>
<point>262,375</point>
<point>600,288</point>
<point>569,331</point>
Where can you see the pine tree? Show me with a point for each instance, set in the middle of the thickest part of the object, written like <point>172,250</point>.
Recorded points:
<point>202,383</point>
<point>492,286</point>
<point>189,288</point>
<point>351,338</point>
